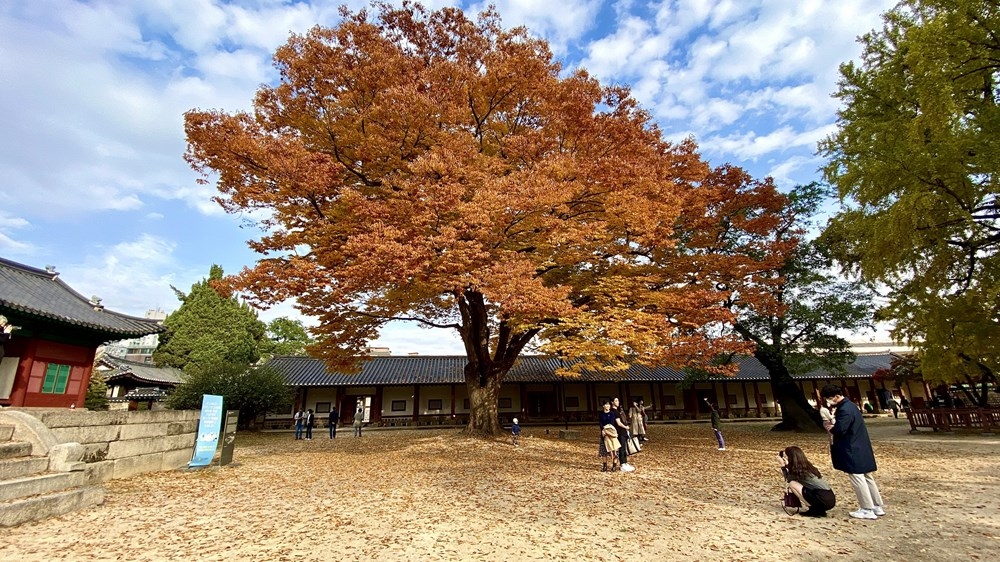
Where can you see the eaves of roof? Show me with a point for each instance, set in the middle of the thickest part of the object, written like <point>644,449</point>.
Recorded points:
<point>429,370</point>
<point>141,372</point>
<point>40,293</point>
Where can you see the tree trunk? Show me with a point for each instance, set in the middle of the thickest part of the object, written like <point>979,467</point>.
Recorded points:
<point>796,412</point>
<point>484,392</point>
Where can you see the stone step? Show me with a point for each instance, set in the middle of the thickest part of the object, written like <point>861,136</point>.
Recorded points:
<point>6,432</point>
<point>21,467</point>
<point>14,449</point>
<point>39,484</point>
<point>49,505</point>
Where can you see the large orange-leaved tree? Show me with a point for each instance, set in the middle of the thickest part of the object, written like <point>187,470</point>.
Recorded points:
<point>426,167</point>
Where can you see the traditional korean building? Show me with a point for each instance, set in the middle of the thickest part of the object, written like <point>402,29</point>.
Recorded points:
<point>48,356</point>
<point>419,390</point>
<point>131,383</point>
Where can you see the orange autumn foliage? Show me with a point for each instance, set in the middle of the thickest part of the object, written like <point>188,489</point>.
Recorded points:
<point>422,166</point>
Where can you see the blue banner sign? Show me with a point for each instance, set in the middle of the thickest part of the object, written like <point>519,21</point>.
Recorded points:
<point>208,430</point>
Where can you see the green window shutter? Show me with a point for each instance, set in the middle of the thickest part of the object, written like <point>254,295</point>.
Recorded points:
<point>56,379</point>
<point>62,379</point>
<point>51,373</point>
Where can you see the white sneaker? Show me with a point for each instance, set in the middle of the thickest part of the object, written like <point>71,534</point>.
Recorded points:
<point>627,468</point>
<point>722,448</point>
<point>879,511</point>
<point>863,514</point>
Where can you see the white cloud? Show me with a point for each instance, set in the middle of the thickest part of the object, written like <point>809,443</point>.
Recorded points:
<point>405,338</point>
<point>561,24</point>
<point>133,276</point>
<point>9,245</point>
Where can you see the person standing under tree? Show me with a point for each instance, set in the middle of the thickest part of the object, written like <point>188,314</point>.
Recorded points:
<point>515,432</point>
<point>310,423</point>
<point>359,420</point>
<point>716,425</point>
<point>621,424</point>
<point>334,418</point>
<point>608,445</point>
<point>636,424</point>
<point>851,452</point>
<point>298,424</point>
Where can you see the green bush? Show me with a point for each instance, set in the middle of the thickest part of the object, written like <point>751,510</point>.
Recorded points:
<point>251,390</point>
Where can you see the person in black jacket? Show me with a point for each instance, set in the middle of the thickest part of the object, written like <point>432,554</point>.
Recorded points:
<point>310,423</point>
<point>851,452</point>
<point>334,418</point>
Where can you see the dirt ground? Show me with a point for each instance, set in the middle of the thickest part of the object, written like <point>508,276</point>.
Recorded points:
<point>435,495</point>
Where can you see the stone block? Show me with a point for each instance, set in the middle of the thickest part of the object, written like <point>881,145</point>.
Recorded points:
<point>87,433</point>
<point>148,445</point>
<point>177,459</point>
<point>141,430</point>
<point>39,484</point>
<point>162,416</point>
<point>42,507</point>
<point>182,441</point>
<point>66,418</point>
<point>98,472</point>
<point>65,457</point>
<point>19,468</point>
<point>137,465</point>
<point>179,427</point>
<point>94,452</point>
<point>6,432</point>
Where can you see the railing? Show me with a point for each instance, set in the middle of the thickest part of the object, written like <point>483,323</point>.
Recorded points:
<point>949,419</point>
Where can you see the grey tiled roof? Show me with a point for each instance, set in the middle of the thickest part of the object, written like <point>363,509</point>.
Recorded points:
<point>306,371</point>
<point>37,292</point>
<point>142,372</point>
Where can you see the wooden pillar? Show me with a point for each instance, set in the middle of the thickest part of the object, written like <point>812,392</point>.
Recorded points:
<point>377,406</point>
<point>746,400</point>
<point>522,391</point>
<point>453,401</point>
<point>725,398</point>
<point>756,397</point>
<point>416,402</point>
<point>588,389</point>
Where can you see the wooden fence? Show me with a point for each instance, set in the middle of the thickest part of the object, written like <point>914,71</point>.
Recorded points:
<point>949,419</point>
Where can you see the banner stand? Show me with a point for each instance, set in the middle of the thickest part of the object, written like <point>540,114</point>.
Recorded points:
<point>229,437</point>
<point>208,431</point>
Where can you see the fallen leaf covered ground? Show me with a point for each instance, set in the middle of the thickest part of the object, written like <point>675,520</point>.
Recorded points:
<point>436,495</point>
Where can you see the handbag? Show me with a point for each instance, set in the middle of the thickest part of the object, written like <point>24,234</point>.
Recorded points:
<point>791,503</point>
<point>634,446</point>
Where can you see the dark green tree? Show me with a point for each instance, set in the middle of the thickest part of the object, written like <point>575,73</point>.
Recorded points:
<point>916,159</point>
<point>285,337</point>
<point>815,305</point>
<point>252,390</point>
<point>209,327</point>
<point>97,393</point>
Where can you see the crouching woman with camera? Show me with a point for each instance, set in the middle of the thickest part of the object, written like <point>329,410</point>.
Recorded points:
<point>806,482</point>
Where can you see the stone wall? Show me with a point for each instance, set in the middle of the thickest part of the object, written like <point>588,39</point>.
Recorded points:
<point>122,444</point>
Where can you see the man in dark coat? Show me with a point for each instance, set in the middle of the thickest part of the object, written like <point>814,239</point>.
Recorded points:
<point>851,452</point>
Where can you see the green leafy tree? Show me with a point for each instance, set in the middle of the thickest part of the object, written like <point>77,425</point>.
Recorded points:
<point>285,337</point>
<point>97,393</point>
<point>251,390</point>
<point>916,159</point>
<point>209,327</point>
<point>814,306</point>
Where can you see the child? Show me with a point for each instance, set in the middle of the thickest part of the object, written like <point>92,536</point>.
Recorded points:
<point>515,432</point>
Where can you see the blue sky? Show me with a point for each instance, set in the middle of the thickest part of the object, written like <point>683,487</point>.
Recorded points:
<point>92,178</point>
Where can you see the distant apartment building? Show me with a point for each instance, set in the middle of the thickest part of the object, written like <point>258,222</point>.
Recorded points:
<point>138,350</point>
